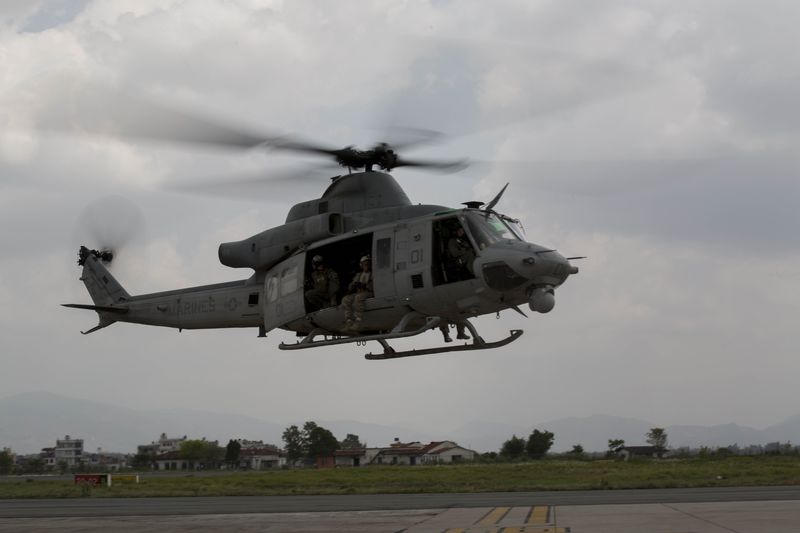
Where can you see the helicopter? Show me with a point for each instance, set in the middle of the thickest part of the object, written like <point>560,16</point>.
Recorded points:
<point>363,217</point>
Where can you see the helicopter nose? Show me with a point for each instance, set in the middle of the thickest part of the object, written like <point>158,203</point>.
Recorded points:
<point>549,263</point>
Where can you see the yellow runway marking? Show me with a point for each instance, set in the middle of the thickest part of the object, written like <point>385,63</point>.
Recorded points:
<point>536,519</point>
<point>494,516</point>
<point>534,529</point>
<point>539,514</point>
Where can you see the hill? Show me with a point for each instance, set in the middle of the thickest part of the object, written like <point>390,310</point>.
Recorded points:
<point>31,421</point>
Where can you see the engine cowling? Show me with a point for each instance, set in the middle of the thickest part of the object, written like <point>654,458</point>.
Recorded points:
<point>262,251</point>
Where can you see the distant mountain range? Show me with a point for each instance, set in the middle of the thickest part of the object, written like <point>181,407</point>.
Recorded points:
<point>31,421</point>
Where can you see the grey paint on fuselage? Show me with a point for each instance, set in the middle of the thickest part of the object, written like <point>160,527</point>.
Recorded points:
<point>506,270</point>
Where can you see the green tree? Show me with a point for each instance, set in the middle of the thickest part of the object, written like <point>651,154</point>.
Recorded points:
<point>193,450</point>
<point>657,438</point>
<point>614,445</point>
<point>213,455</point>
<point>576,450</point>
<point>321,442</point>
<point>6,462</point>
<point>143,460</point>
<point>232,451</point>
<point>513,448</point>
<point>308,427</point>
<point>539,443</point>
<point>351,442</point>
<point>34,466</point>
<point>293,444</point>
<point>202,452</point>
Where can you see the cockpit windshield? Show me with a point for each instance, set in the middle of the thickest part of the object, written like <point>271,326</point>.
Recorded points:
<point>516,226</point>
<point>488,229</point>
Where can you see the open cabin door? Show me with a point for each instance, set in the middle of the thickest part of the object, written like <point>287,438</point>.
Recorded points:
<point>284,289</point>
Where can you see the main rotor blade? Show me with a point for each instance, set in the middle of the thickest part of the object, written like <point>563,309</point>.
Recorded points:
<point>256,185</point>
<point>404,138</point>
<point>97,110</point>
<point>439,166</point>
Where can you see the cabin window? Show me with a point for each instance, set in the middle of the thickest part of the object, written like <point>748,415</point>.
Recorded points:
<point>288,280</point>
<point>252,299</point>
<point>383,251</point>
<point>272,288</point>
<point>335,224</point>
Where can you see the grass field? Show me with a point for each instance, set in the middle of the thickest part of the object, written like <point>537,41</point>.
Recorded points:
<point>537,475</point>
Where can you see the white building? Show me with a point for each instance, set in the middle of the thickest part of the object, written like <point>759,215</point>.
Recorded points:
<point>261,458</point>
<point>410,453</point>
<point>172,461</point>
<point>68,450</point>
<point>447,451</point>
<point>163,445</point>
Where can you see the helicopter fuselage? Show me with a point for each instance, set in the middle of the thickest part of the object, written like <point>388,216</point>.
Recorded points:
<point>414,274</point>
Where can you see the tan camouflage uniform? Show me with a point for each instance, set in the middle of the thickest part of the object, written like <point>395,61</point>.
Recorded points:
<point>353,304</point>
<point>325,285</point>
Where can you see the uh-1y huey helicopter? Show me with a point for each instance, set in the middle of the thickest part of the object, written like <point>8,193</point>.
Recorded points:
<point>417,284</point>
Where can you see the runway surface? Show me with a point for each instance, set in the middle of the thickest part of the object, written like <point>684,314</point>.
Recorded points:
<point>384,502</point>
<point>707,510</point>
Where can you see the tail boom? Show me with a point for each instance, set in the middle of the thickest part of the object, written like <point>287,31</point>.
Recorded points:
<point>222,305</point>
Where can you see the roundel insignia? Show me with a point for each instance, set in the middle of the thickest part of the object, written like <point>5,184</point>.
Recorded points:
<point>232,304</point>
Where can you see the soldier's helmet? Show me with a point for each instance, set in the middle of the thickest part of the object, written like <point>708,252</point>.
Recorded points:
<point>316,260</point>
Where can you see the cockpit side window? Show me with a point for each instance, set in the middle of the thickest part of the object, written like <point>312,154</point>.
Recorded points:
<point>454,253</point>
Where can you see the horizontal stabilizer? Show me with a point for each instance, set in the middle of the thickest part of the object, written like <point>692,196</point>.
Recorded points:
<point>99,308</point>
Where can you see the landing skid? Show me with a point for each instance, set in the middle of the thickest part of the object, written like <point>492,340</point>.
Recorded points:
<point>399,332</point>
<point>478,344</point>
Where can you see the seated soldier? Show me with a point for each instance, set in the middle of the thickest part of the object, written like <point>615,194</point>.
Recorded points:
<point>323,283</point>
<point>359,290</point>
<point>461,255</point>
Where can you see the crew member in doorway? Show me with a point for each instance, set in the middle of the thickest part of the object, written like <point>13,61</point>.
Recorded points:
<point>359,290</point>
<point>323,284</point>
<point>461,254</point>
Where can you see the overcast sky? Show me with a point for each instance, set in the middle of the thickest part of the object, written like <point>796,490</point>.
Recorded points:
<point>659,138</point>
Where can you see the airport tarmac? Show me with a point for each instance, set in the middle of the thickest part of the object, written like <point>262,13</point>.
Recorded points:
<point>738,510</point>
<point>718,517</point>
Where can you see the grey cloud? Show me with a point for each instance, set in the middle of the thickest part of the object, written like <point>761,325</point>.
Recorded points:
<point>51,14</point>
<point>669,309</point>
<point>731,204</point>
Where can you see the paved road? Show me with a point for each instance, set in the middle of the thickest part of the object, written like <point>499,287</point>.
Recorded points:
<point>386,502</point>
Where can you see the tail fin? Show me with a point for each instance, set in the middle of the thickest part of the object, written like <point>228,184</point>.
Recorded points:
<point>109,297</point>
<point>104,289</point>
